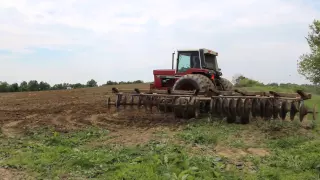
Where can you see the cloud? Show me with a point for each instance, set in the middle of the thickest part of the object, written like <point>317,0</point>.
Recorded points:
<point>99,39</point>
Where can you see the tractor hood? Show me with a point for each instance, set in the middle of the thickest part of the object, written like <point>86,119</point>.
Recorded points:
<point>164,72</point>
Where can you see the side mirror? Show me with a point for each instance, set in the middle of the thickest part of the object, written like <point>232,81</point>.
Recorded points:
<point>219,69</point>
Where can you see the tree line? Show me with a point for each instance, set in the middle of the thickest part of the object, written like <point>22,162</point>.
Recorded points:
<point>242,81</point>
<point>34,85</point>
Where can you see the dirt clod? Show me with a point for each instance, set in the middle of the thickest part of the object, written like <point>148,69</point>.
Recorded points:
<point>9,174</point>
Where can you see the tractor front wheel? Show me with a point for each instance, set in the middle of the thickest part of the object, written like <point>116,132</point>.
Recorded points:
<point>192,82</point>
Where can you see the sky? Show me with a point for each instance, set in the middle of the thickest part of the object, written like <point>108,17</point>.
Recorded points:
<point>77,40</point>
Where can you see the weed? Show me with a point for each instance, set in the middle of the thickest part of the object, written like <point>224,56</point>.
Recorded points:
<point>206,133</point>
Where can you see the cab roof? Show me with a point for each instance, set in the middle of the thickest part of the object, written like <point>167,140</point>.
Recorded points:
<point>205,51</point>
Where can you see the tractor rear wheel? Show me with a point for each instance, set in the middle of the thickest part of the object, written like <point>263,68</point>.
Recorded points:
<point>226,84</point>
<point>192,82</point>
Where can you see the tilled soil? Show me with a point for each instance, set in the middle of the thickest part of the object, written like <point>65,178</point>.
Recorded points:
<point>72,109</point>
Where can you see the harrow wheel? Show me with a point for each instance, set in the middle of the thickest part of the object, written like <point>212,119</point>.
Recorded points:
<point>262,107</point>
<point>218,107</point>
<point>163,105</point>
<point>212,108</point>
<point>185,108</point>
<point>232,111</point>
<point>293,110</point>
<point>255,109</point>
<point>284,110</point>
<point>268,110</point>
<point>225,107</point>
<point>276,108</point>
<point>178,109</point>
<point>240,107</point>
<point>246,116</point>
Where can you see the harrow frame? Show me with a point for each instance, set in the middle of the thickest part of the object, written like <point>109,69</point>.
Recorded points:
<point>230,104</point>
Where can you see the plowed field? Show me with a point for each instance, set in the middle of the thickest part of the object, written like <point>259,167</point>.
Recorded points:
<point>67,110</point>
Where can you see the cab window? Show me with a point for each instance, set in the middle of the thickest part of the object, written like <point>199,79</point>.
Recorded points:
<point>187,60</point>
<point>184,62</point>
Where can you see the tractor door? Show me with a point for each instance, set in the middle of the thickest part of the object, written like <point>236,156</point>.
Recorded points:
<point>187,60</point>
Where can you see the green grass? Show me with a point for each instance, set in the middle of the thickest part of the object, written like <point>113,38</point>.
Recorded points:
<point>55,155</point>
<point>210,134</point>
<point>294,154</point>
<point>51,155</point>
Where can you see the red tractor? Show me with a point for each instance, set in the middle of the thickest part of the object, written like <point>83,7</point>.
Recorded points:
<point>195,69</point>
<point>198,70</point>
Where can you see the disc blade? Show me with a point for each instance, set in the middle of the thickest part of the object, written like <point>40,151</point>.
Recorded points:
<point>268,109</point>
<point>293,110</point>
<point>212,107</point>
<point>255,108</point>
<point>218,106</point>
<point>303,111</point>
<point>233,107</point>
<point>225,107</point>
<point>276,108</point>
<point>240,107</point>
<point>262,107</point>
<point>284,110</point>
<point>247,104</point>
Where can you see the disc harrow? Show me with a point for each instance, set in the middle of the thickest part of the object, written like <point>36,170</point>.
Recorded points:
<point>232,105</point>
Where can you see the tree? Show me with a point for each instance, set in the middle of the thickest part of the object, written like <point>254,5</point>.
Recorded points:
<point>309,65</point>
<point>111,83</point>
<point>14,87</point>
<point>24,86</point>
<point>44,86</point>
<point>273,84</point>
<point>237,78</point>
<point>4,87</point>
<point>57,87</point>
<point>33,85</point>
<point>77,85</point>
<point>137,82</point>
<point>92,83</point>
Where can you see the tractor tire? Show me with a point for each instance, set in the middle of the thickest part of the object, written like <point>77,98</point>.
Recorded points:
<point>192,82</point>
<point>226,84</point>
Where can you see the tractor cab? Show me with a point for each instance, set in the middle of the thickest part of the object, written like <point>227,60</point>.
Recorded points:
<point>199,63</point>
<point>197,59</point>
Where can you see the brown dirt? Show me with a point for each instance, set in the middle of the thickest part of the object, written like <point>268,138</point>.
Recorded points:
<point>231,153</point>
<point>68,110</point>
<point>9,174</point>
<point>235,153</point>
<point>258,151</point>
